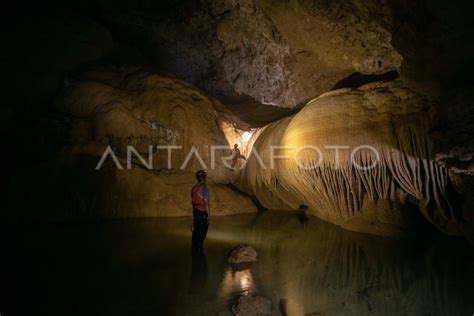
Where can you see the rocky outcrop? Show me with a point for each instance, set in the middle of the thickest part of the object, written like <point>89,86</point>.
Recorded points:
<point>118,119</point>
<point>252,55</point>
<point>111,193</point>
<point>358,158</point>
<point>287,52</point>
<point>453,126</point>
<point>122,107</point>
<point>276,53</point>
<point>242,254</point>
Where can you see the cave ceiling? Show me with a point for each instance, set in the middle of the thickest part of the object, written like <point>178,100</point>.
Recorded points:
<point>253,53</point>
<point>283,53</point>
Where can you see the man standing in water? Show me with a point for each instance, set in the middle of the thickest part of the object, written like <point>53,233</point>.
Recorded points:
<point>201,211</point>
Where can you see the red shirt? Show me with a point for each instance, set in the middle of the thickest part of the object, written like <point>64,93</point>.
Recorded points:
<point>199,196</point>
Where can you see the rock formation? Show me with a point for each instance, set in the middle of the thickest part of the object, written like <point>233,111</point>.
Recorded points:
<point>242,254</point>
<point>264,60</point>
<point>287,52</point>
<point>275,53</point>
<point>131,112</point>
<point>375,189</point>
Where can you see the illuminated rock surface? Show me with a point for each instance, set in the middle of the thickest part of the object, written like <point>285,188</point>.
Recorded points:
<point>85,78</point>
<point>120,107</point>
<point>384,199</point>
<point>241,254</point>
<point>279,53</point>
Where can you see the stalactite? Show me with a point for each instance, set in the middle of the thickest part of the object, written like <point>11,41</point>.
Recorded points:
<point>348,193</point>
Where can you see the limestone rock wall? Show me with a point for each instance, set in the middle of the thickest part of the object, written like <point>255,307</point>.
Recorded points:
<point>275,52</point>
<point>284,53</point>
<point>385,199</point>
<point>115,107</point>
<point>124,107</point>
<point>111,193</point>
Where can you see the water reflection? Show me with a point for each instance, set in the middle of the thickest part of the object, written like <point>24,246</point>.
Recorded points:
<point>144,267</point>
<point>236,282</point>
<point>199,271</point>
<point>335,272</point>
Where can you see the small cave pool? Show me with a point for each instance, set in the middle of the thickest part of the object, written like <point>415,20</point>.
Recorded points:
<point>305,267</point>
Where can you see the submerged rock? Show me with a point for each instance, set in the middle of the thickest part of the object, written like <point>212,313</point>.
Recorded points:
<point>242,254</point>
<point>249,305</point>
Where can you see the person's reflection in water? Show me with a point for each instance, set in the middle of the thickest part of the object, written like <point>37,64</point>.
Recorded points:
<point>199,271</point>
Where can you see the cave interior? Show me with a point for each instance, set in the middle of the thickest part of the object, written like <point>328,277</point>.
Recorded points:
<point>355,119</point>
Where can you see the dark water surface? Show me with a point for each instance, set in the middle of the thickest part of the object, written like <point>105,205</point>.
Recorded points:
<point>144,267</point>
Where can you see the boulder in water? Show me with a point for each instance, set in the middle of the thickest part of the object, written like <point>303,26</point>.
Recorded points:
<point>242,254</point>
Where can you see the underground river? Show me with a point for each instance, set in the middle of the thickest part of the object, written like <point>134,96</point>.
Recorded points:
<point>305,267</point>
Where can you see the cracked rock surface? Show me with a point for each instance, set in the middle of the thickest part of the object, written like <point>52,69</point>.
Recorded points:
<point>278,53</point>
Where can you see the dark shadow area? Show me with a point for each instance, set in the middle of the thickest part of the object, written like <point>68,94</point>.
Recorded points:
<point>199,271</point>
<point>254,199</point>
<point>83,264</point>
<point>358,79</point>
<point>143,266</point>
<point>255,113</point>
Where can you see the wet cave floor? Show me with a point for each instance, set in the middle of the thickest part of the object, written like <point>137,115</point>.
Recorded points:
<point>144,267</point>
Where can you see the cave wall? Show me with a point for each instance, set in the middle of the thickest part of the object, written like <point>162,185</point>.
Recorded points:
<point>279,53</point>
<point>252,55</point>
<point>285,53</point>
<point>115,107</point>
<point>383,200</point>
